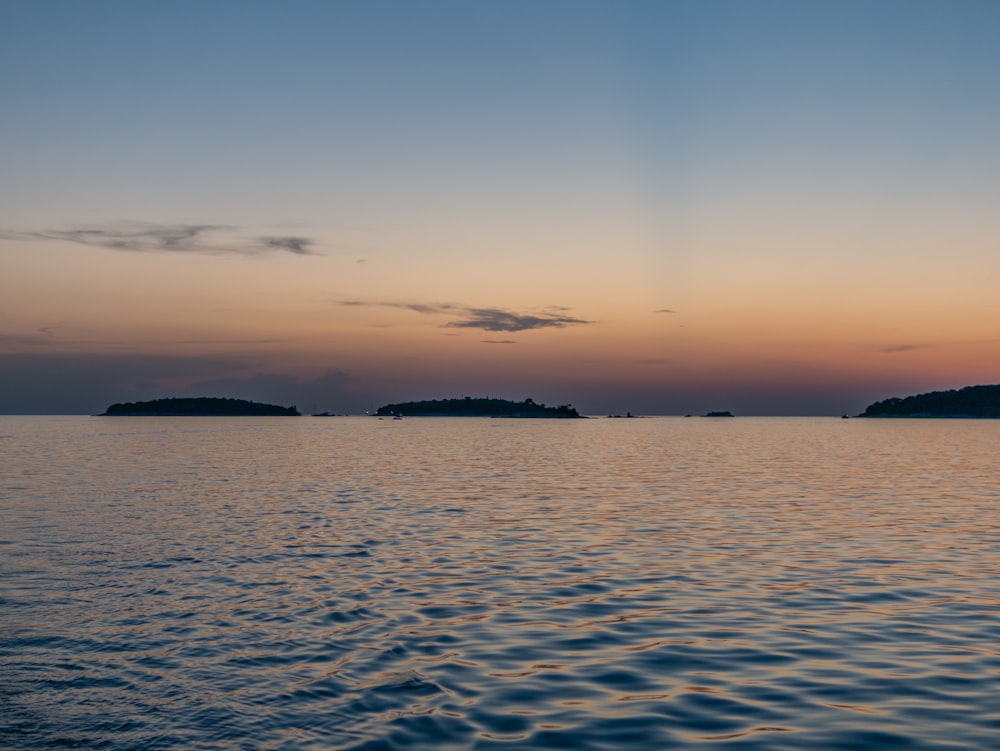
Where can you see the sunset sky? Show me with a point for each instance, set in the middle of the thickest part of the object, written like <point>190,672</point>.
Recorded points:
<point>773,207</point>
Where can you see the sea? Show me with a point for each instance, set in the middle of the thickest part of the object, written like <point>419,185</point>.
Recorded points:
<point>464,583</point>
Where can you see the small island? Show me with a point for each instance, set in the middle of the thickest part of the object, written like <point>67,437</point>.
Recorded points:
<point>975,402</point>
<point>725,413</point>
<point>476,407</point>
<point>198,407</point>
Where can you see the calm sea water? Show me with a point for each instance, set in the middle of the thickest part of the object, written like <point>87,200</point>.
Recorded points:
<point>351,583</point>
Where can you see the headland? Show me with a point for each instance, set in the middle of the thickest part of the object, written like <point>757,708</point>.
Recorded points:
<point>978,402</point>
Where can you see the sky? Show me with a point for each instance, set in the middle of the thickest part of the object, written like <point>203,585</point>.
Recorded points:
<point>772,207</point>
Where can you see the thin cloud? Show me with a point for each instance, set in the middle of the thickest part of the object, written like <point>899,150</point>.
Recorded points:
<point>494,319</point>
<point>424,308</point>
<point>499,341</point>
<point>183,238</point>
<point>664,310</point>
<point>485,319</point>
<point>297,245</point>
<point>900,348</point>
<point>205,239</point>
<point>428,309</point>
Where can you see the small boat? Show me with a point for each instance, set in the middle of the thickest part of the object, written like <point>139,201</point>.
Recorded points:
<point>398,416</point>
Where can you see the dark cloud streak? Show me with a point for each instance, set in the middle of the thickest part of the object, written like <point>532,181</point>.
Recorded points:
<point>297,245</point>
<point>169,238</point>
<point>494,319</point>
<point>485,319</point>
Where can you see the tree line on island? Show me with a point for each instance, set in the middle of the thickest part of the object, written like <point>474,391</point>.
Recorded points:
<point>969,402</point>
<point>476,407</point>
<point>218,407</point>
<point>198,407</point>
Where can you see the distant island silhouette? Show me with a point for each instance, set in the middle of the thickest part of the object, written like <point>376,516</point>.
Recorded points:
<point>198,407</point>
<point>476,407</point>
<point>969,402</point>
<point>724,413</point>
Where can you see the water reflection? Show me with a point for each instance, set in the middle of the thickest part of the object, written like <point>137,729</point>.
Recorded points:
<point>350,583</point>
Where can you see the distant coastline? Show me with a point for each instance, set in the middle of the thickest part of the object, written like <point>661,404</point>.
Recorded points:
<point>198,407</point>
<point>476,407</point>
<point>971,402</point>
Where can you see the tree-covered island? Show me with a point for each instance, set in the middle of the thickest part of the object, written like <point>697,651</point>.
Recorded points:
<point>198,407</point>
<point>476,407</point>
<point>970,402</point>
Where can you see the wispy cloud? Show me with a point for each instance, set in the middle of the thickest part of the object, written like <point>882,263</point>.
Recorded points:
<point>900,348</point>
<point>427,309</point>
<point>494,319</point>
<point>205,239</point>
<point>485,319</point>
<point>664,310</point>
<point>499,341</point>
<point>297,245</point>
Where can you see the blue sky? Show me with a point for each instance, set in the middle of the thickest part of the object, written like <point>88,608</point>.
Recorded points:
<point>289,106</point>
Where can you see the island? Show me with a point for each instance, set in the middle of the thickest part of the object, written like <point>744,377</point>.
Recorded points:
<point>970,402</point>
<point>725,413</point>
<point>198,407</point>
<point>476,407</point>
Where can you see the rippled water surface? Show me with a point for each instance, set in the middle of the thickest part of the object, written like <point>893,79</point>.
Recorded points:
<point>351,583</point>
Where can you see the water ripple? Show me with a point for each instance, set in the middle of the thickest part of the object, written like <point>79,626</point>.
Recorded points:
<point>354,584</point>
